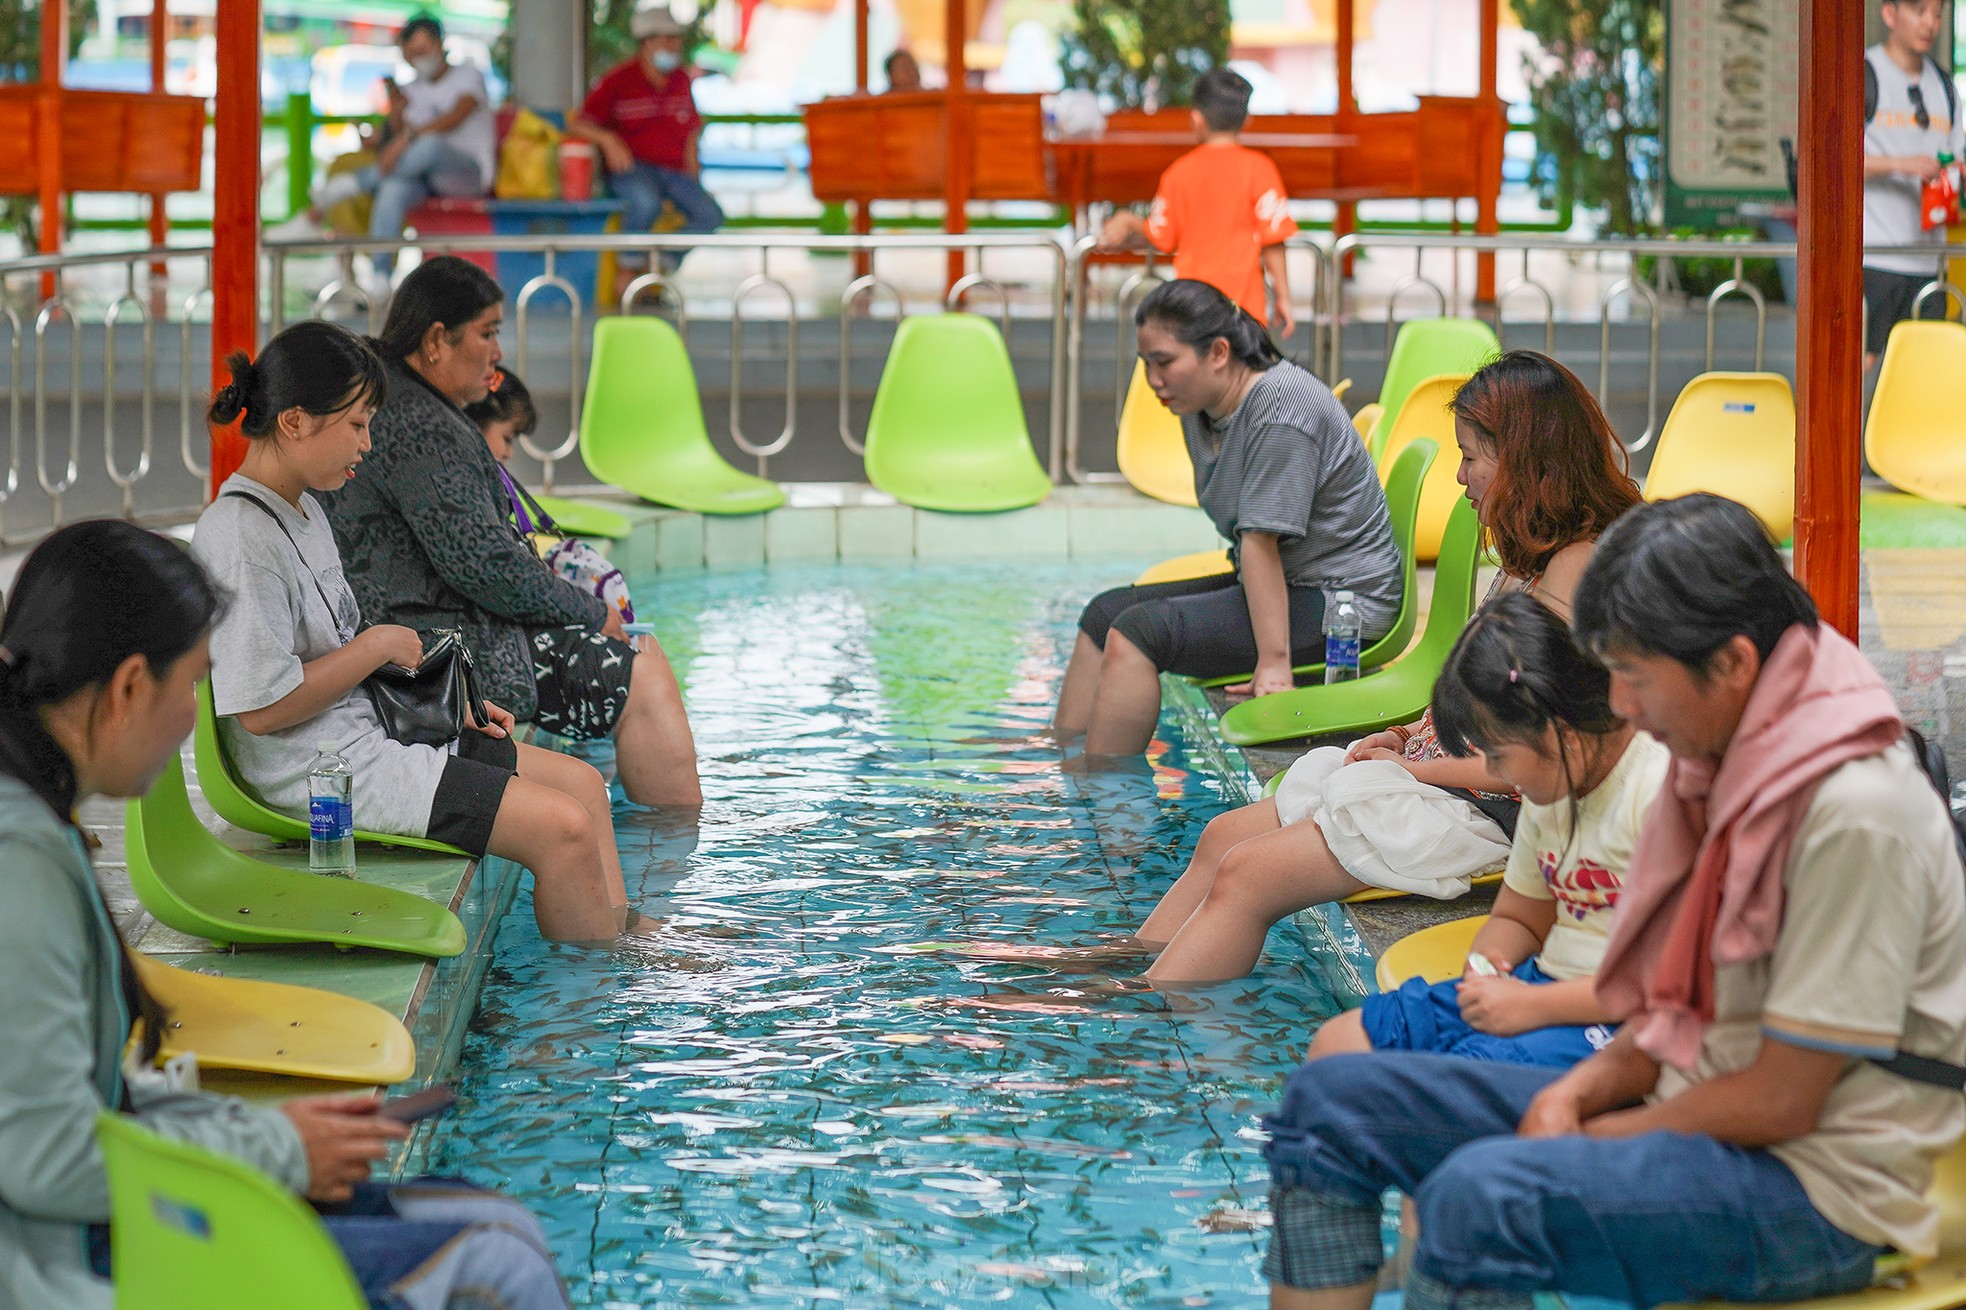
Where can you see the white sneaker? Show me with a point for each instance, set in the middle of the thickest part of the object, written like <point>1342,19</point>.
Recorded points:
<point>301,227</point>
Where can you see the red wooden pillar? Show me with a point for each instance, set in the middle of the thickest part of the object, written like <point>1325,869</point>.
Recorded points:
<point>160,222</point>
<point>1345,222</point>
<point>956,144</point>
<point>863,211</point>
<point>1829,349</point>
<point>235,208</point>
<point>47,129</point>
<point>1489,167</point>
<point>860,62</point>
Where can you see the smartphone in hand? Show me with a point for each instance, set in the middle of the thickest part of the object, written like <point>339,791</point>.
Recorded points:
<point>419,1105</point>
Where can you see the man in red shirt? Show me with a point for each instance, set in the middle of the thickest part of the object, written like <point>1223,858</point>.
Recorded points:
<point>643,118</point>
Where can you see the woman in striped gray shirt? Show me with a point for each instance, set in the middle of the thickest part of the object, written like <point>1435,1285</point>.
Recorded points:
<point>1283,476</point>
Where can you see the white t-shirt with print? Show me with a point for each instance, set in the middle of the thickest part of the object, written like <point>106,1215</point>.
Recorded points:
<point>1580,861</point>
<point>1871,961</point>
<point>425,101</point>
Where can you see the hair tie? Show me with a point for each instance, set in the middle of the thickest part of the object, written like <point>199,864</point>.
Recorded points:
<point>233,394</point>
<point>1515,676</point>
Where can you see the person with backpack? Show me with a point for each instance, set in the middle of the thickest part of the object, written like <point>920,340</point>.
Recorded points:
<point>1911,117</point>
<point>1788,961</point>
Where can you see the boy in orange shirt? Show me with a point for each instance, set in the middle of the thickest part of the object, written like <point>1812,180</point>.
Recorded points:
<point>1220,209</point>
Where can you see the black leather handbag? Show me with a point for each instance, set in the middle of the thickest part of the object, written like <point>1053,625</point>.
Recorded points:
<point>430,705</point>
<point>434,703</point>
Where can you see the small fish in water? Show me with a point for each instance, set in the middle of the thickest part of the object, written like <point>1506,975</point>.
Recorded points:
<point>1231,1219</point>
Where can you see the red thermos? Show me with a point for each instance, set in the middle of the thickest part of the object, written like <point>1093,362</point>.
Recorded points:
<point>576,170</point>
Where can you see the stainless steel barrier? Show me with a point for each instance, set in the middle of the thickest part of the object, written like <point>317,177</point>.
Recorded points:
<point>1630,288</point>
<point>761,284</point>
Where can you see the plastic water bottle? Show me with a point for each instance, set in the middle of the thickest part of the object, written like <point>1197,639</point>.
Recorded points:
<point>331,813</point>
<point>1342,627</point>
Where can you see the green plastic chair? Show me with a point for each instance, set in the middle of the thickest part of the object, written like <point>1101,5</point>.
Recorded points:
<point>242,809</point>
<point>1425,348</point>
<point>1403,483</point>
<point>1397,693</point>
<point>641,426</point>
<point>191,1230</point>
<point>583,520</point>
<point>948,431</point>
<point>191,881</point>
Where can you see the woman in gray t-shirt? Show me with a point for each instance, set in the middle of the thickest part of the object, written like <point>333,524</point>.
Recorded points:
<point>1284,477</point>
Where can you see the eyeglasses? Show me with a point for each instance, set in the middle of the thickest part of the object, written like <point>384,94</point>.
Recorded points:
<point>1919,113</point>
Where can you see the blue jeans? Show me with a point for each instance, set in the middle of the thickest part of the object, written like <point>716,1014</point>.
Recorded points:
<point>1644,1220</point>
<point>643,189</point>
<point>428,166</point>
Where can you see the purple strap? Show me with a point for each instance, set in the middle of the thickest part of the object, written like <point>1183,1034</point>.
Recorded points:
<point>526,526</point>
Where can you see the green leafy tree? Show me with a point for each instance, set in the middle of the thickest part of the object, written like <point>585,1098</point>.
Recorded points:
<point>1595,88</point>
<point>609,41</point>
<point>20,61</point>
<point>1145,53</point>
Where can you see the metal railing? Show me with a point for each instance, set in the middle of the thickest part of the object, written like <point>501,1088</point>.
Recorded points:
<point>1648,296</point>
<point>42,328</point>
<point>554,250</point>
<point>102,338</point>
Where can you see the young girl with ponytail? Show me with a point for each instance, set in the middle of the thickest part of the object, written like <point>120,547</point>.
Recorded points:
<point>1283,476</point>
<point>106,636</point>
<point>289,654</point>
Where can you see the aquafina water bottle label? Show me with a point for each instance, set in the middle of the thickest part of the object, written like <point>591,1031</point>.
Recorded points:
<point>1340,651</point>
<point>330,818</point>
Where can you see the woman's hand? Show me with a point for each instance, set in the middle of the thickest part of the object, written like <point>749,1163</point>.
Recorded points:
<point>1272,676</point>
<point>1379,746</point>
<point>500,721</point>
<point>1500,1006</point>
<point>344,1138</point>
<point>392,643</point>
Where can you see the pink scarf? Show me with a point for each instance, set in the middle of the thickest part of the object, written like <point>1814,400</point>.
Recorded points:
<point>1705,885</point>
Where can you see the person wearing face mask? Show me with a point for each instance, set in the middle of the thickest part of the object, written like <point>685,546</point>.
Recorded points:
<point>445,143</point>
<point>642,116</point>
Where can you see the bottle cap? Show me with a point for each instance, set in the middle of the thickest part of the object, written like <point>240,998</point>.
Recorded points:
<point>1341,595</point>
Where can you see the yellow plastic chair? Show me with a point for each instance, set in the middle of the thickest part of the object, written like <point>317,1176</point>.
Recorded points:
<point>263,1027</point>
<point>1152,452</point>
<point>1363,421</point>
<point>1201,564</point>
<point>1912,438</point>
<point>1732,434</point>
<point>1425,415</point>
<point>1436,954</point>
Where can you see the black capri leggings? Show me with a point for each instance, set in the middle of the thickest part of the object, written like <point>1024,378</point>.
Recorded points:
<point>1200,627</point>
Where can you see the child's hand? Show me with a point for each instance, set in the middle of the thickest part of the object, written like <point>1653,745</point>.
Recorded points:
<point>1376,747</point>
<point>1500,1007</point>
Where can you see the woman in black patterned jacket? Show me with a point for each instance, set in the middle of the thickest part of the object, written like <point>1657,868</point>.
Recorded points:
<point>426,543</point>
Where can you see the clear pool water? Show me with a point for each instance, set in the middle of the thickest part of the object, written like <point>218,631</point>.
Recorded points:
<point>778,1101</point>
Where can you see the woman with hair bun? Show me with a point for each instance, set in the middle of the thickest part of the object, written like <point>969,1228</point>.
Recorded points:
<point>290,654</point>
<point>1283,476</point>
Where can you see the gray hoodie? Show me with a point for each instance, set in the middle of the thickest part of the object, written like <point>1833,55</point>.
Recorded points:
<point>62,1033</point>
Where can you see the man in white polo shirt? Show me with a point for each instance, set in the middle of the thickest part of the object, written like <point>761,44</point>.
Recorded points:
<point>1912,117</point>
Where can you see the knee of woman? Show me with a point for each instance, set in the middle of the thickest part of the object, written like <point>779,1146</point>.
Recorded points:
<point>513,1270</point>
<point>1241,877</point>
<point>564,822</point>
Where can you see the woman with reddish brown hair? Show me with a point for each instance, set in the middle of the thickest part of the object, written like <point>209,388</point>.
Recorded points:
<point>1546,475</point>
